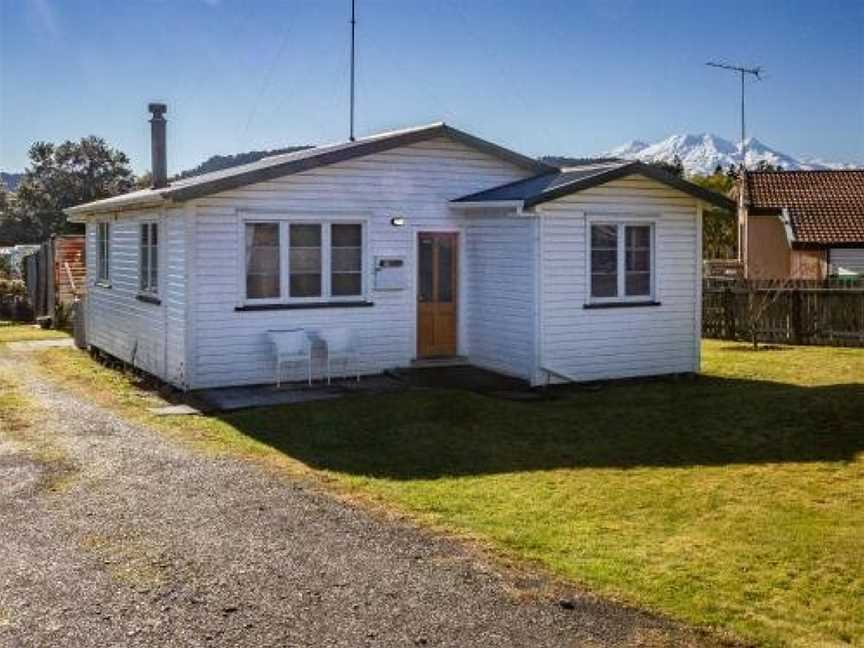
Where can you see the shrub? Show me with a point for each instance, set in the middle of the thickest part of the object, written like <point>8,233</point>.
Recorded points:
<point>12,288</point>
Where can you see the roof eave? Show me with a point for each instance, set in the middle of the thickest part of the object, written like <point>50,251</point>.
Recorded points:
<point>474,205</point>
<point>764,211</point>
<point>824,245</point>
<point>79,213</point>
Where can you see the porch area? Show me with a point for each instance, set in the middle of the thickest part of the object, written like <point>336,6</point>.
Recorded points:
<point>423,375</point>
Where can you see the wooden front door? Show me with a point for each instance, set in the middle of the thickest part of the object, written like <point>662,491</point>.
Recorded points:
<point>437,295</point>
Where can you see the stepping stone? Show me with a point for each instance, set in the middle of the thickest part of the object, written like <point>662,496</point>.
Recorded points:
<point>174,410</point>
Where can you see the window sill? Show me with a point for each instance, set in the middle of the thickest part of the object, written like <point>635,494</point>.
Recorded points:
<point>621,304</point>
<point>304,305</point>
<point>150,299</point>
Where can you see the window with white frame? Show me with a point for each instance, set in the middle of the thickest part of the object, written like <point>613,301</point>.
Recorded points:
<point>622,262</point>
<point>262,261</point>
<point>103,240</point>
<point>304,261</point>
<point>149,259</point>
<point>346,259</point>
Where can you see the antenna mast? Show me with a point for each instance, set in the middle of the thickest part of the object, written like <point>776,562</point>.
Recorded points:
<point>353,25</point>
<point>755,72</point>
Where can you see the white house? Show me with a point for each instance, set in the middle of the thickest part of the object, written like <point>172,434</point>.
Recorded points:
<point>427,242</point>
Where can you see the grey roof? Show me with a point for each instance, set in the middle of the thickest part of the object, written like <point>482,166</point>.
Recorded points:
<point>538,185</point>
<point>562,182</point>
<point>288,163</point>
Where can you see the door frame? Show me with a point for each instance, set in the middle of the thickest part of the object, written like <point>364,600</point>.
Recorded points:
<point>460,285</point>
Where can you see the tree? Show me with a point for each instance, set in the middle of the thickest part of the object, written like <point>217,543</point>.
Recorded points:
<point>733,172</point>
<point>61,176</point>
<point>13,228</point>
<point>675,167</point>
<point>718,226</point>
<point>764,165</point>
<point>761,294</point>
<point>144,181</point>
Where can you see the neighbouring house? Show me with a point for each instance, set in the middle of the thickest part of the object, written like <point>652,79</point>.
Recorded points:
<point>55,273</point>
<point>802,224</point>
<point>427,242</point>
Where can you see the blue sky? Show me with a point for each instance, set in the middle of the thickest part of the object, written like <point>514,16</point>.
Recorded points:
<point>544,77</point>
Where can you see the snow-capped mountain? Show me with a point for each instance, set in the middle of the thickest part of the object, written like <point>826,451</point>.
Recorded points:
<point>702,153</point>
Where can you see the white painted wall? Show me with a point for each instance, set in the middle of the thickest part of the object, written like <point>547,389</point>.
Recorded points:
<point>502,278</point>
<point>523,279</point>
<point>849,259</point>
<point>227,347</point>
<point>151,336</point>
<point>619,342</point>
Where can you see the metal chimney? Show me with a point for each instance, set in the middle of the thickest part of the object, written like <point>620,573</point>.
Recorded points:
<point>159,162</point>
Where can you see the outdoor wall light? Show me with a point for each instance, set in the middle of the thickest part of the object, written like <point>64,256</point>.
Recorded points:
<point>398,221</point>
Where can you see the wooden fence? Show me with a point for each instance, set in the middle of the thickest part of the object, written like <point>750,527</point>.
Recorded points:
<point>797,312</point>
<point>39,277</point>
<point>55,274</point>
<point>15,308</point>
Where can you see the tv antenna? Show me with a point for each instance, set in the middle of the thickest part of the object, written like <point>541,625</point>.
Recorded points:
<point>351,119</point>
<point>756,73</point>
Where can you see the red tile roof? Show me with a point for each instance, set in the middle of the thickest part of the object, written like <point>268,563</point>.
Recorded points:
<point>825,207</point>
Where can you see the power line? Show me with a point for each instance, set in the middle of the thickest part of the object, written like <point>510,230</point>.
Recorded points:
<point>756,73</point>
<point>266,81</point>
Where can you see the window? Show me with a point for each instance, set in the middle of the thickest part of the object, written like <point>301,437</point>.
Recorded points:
<point>103,238</point>
<point>304,261</point>
<point>622,264</point>
<point>637,269</point>
<point>262,260</point>
<point>604,261</point>
<point>304,258</point>
<point>149,257</point>
<point>346,260</point>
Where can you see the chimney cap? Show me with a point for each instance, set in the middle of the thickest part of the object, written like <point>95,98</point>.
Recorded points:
<point>157,109</point>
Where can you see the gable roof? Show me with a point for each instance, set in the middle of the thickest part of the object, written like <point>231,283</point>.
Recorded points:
<point>562,182</point>
<point>289,163</point>
<point>825,207</point>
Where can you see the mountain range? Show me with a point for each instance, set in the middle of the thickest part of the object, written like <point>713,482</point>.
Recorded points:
<point>699,154</point>
<point>10,180</point>
<point>702,153</point>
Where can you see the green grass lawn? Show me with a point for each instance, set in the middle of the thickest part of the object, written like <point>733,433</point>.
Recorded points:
<point>14,332</point>
<point>734,500</point>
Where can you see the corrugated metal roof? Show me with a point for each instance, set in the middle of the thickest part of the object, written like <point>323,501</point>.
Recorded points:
<point>549,186</point>
<point>288,163</point>
<point>538,185</point>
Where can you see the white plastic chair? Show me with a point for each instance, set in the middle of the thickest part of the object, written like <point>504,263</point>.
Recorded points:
<point>341,347</point>
<point>291,347</point>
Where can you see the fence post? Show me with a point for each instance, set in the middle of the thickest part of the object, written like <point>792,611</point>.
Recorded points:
<point>797,324</point>
<point>729,314</point>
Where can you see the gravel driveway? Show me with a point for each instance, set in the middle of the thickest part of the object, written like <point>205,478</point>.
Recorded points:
<point>112,535</point>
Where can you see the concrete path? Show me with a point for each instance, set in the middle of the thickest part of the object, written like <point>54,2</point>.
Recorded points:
<point>37,345</point>
<point>112,535</point>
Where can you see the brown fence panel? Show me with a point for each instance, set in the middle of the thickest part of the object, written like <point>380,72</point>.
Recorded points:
<point>796,312</point>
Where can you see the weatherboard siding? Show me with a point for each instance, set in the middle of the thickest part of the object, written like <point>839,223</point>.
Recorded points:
<point>146,335</point>
<point>502,286</point>
<point>230,347</point>
<point>593,344</point>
